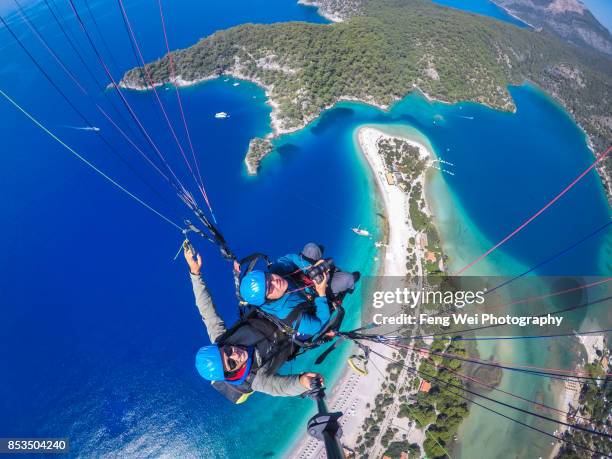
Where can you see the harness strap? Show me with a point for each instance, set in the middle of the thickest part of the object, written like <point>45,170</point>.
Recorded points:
<point>352,363</point>
<point>296,315</point>
<point>291,323</point>
<point>253,259</point>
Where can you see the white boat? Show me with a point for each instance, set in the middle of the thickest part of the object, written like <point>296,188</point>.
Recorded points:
<point>236,84</point>
<point>360,232</point>
<point>221,115</point>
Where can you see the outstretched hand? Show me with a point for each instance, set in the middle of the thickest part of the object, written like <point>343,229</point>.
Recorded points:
<point>194,260</point>
<point>306,379</point>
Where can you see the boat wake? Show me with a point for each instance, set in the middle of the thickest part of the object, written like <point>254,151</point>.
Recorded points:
<point>82,128</point>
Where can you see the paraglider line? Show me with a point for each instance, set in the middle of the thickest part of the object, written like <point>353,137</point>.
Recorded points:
<point>600,157</point>
<point>81,158</point>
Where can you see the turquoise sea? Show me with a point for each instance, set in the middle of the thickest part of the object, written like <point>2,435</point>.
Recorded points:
<point>99,328</point>
<point>484,8</point>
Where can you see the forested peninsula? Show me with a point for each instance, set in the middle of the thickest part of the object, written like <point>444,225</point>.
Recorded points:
<point>384,49</point>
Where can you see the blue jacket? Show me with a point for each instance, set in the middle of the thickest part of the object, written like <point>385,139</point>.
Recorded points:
<point>310,324</point>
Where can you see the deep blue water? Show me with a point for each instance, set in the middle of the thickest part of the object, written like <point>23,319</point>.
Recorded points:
<point>99,330</point>
<point>100,346</point>
<point>483,7</point>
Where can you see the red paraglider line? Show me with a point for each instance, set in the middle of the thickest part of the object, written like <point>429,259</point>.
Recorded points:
<point>161,105</point>
<point>180,188</point>
<point>537,214</point>
<point>180,104</point>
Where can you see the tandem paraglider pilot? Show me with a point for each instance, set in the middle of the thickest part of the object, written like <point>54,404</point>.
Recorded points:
<point>244,358</point>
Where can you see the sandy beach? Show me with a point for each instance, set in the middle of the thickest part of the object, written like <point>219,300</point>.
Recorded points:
<point>395,202</point>
<point>570,393</point>
<point>352,393</point>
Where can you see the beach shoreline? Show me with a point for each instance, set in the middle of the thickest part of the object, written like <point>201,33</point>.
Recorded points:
<point>329,15</point>
<point>354,394</point>
<point>277,122</point>
<point>568,394</point>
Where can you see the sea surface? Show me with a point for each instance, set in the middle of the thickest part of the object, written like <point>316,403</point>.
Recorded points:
<point>99,331</point>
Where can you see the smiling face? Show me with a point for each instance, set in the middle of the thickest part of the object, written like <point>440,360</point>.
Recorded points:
<point>276,286</point>
<point>234,358</point>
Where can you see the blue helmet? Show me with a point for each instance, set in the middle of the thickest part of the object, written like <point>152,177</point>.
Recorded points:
<point>209,364</point>
<point>253,288</point>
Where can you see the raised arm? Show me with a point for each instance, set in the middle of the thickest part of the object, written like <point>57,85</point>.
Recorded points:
<point>212,321</point>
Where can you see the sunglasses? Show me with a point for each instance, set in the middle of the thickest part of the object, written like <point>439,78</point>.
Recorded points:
<point>268,284</point>
<point>232,365</point>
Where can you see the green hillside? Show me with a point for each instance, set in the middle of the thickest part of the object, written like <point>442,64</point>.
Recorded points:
<point>389,48</point>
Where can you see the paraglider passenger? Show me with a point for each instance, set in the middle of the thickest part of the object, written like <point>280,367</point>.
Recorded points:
<point>246,357</point>
<point>294,294</point>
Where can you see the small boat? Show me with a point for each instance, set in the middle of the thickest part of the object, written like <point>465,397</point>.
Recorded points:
<point>236,84</point>
<point>221,115</point>
<point>360,232</point>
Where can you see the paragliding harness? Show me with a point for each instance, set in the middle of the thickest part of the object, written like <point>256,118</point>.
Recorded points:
<point>266,340</point>
<point>291,323</point>
<point>275,340</point>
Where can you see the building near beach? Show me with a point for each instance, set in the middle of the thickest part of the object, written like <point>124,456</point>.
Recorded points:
<point>425,386</point>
